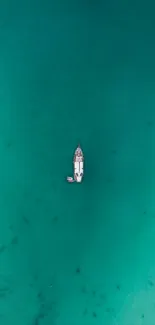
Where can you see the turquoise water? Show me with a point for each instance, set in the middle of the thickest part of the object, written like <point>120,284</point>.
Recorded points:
<point>70,72</point>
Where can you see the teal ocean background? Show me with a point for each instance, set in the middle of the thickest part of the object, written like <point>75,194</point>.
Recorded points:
<point>77,72</point>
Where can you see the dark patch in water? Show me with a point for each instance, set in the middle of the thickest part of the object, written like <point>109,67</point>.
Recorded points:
<point>9,144</point>
<point>150,124</point>
<point>40,297</point>
<point>110,310</point>
<point>36,321</point>
<point>26,220</point>
<point>94,293</point>
<point>103,297</point>
<point>55,219</point>
<point>151,284</point>
<point>94,314</point>
<point>14,240</point>
<point>4,291</point>
<point>2,249</point>
<point>78,270</point>
<point>85,312</point>
<point>118,287</point>
<point>84,289</point>
<point>42,308</point>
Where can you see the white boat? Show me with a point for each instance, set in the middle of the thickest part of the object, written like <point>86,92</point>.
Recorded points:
<point>78,162</point>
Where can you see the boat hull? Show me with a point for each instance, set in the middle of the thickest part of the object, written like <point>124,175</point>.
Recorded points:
<point>78,165</point>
